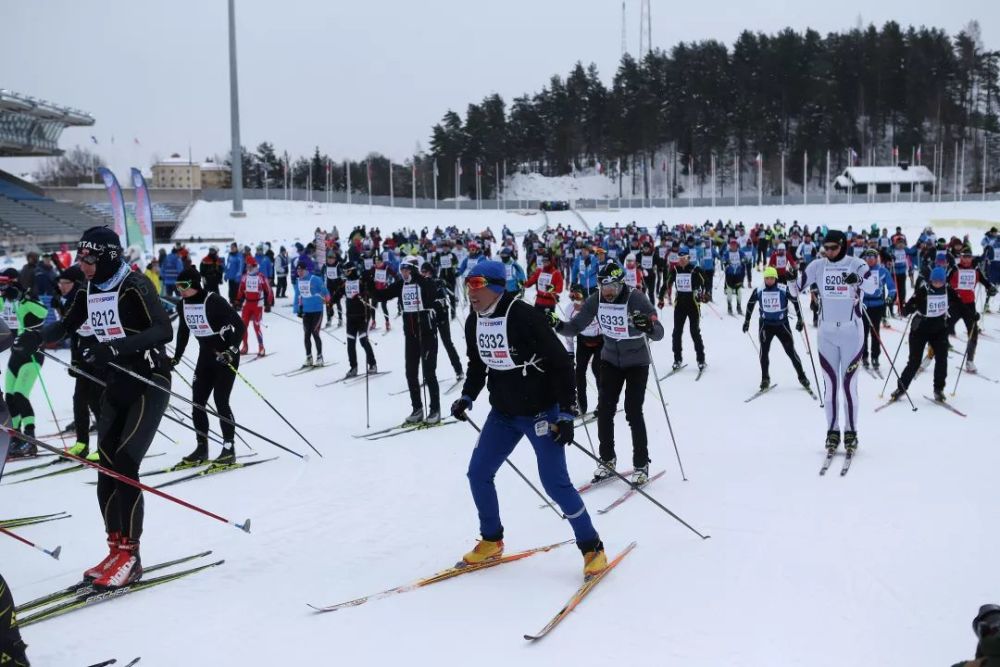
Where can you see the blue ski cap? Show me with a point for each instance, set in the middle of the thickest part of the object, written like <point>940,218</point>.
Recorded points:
<point>683,251</point>
<point>494,272</point>
<point>938,274</point>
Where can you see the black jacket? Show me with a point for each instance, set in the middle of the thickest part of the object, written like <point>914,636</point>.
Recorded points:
<point>221,316</point>
<point>524,391</point>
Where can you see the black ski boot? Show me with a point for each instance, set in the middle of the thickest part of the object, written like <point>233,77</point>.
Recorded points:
<point>765,383</point>
<point>227,457</point>
<point>195,458</point>
<point>804,381</point>
<point>851,442</point>
<point>832,441</point>
<point>939,396</point>
<point>433,417</point>
<point>353,372</point>
<point>415,417</point>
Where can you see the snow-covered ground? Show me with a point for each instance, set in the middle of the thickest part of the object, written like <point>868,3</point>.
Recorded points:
<point>884,566</point>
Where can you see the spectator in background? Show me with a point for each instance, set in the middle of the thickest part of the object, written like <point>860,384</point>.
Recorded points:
<point>234,271</point>
<point>986,625</point>
<point>45,278</point>
<point>281,265</point>
<point>170,268</point>
<point>63,258</point>
<point>153,273</point>
<point>211,269</point>
<point>27,276</point>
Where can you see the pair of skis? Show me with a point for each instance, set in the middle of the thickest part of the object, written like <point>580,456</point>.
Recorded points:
<point>33,520</point>
<point>464,568</point>
<point>349,380</point>
<point>761,392</point>
<point>828,461</point>
<point>403,429</point>
<point>302,370</point>
<point>84,594</point>
<point>212,470</point>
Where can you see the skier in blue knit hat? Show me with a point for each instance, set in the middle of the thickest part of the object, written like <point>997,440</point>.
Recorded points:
<point>514,352</point>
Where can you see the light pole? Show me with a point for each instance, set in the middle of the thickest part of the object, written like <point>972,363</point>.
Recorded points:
<point>234,117</point>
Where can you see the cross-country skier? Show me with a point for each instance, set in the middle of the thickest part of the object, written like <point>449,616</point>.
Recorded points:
<point>282,263</point>
<point>548,282</point>
<point>735,273</point>
<point>86,392</point>
<point>22,369</point>
<point>584,271</point>
<point>690,291</point>
<point>309,296</point>
<point>235,265</point>
<point>963,279</point>
<point>12,647</point>
<point>219,330</point>
<point>441,320</point>
<point>515,274</point>
<point>530,379</point>
<point>357,299</point>
<point>130,329</point>
<point>626,318</point>
<point>588,349</point>
<point>420,335</point>
<point>773,323</point>
<point>930,305</point>
<point>841,334</point>
<point>875,289</point>
<point>334,285</point>
<point>256,298</point>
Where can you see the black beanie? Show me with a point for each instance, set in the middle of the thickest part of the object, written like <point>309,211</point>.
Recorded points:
<point>104,243</point>
<point>190,274</point>
<point>73,273</point>
<point>836,236</point>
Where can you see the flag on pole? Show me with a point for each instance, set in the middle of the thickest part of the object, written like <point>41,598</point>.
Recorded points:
<point>136,140</point>
<point>895,155</point>
<point>94,139</point>
<point>600,168</point>
<point>435,168</point>
<point>854,157</point>
<point>757,160</point>
<point>919,158</point>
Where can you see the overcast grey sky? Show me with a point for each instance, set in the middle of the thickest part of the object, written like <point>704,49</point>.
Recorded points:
<point>356,76</point>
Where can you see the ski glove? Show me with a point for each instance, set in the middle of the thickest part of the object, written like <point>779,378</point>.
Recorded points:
<point>299,313</point>
<point>100,355</point>
<point>851,278</point>
<point>459,407</point>
<point>228,356</point>
<point>554,319</point>
<point>746,326</point>
<point>643,322</point>
<point>564,429</point>
<point>800,325</point>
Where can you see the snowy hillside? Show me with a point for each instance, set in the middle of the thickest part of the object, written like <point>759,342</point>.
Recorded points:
<point>884,566</point>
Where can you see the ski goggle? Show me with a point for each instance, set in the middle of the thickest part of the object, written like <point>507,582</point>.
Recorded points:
<point>184,284</point>
<point>479,282</point>
<point>988,626</point>
<point>831,247</point>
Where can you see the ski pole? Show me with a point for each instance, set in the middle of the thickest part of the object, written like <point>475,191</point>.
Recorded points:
<point>900,347</point>
<point>812,362</point>
<point>754,343</point>
<point>203,408</point>
<point>274,409</point>
<point>208,436</point>
<point>41,381</point>
<point>892,365</point>
<point>54,552</point>
<point>321,329</point>
<point>709,304</point>
<point>178,374</point>
<point>521,474</point>
<point>638,489</point>
<point>663,404</point>
<point>245,526</point>
<point>368,421</point>
<point>590,441</point>
<point>975,331</point>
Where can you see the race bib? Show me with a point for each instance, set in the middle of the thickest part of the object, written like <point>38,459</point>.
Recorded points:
<point>613,320</point>
<point>544,281</point>
<point>937,305</point>
<point>646,261</point>
<point>102,311</point>
<point>305,288</point>
<point>673,258</point>
<point>683,282</point>
<point>509,268</point>
<point>663,251</point>
<point>445,261</point>
<point>9,314</point>
<point>734,257</point>
<point>470,263</point>
<point>631,277</point>
<point>780,262</point>
<point>900,256</point>
<point>252,285</point>
<point>411,298</point>
<point>369,263</point>
<point>966,279</point>
<point>492,343</point>
<point>352,288</point>
<point>332,272</point>
<point>834,286</point>
<point>770,302</point>
<point>380,275</point>
<point>196,319</point>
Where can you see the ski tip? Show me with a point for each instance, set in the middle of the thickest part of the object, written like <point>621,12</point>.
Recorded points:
<point>245,526</point>
<point>55,552</point>
<point>530,638</point>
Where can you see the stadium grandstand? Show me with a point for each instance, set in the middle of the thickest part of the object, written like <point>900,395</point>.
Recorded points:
<point>28,218</point>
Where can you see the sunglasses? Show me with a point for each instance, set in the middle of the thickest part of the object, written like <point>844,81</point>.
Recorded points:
<point>479,282</point>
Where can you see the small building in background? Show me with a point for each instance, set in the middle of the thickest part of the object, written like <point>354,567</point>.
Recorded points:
<point>885,180</point>
<point>215,175</point>
<point>177,172</point>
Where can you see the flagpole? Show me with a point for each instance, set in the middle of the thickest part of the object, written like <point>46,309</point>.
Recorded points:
<point>392,196</point>
<point>347,170</point>
<point>805,177</point>
<point>413,181</point>
<point>368,170</point>
<point>961,187</point>
<point>458,175</point>
<point>760,179</point>
<point>782,177</point>
<point>986,139</point>
<point>504,184</point>
<point>713,180</point>
<point>690,180</point>
<point>955,178</point>
<point>435,174</point>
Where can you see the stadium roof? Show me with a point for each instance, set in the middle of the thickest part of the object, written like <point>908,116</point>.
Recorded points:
<point>32,127</point>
